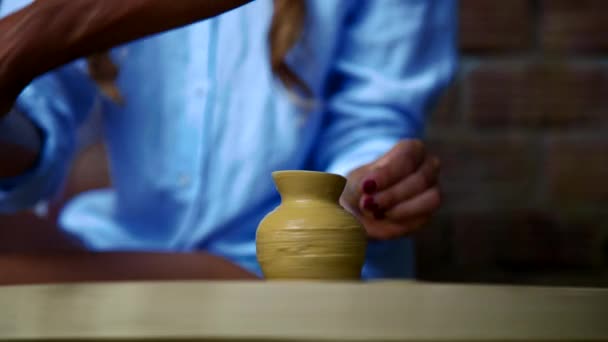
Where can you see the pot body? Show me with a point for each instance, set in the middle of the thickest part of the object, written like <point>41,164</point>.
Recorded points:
<point>309,235</point>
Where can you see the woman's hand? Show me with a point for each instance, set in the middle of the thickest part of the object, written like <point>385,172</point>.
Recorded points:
<point>396,194</point>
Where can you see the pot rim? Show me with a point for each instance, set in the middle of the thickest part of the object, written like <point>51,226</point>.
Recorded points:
<point>293,172</point>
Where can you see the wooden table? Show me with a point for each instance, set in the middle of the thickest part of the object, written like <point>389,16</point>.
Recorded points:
<point>300,311</point>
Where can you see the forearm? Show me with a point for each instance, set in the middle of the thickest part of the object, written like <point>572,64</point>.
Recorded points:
<point>20,144</point>
<point>50,33</point>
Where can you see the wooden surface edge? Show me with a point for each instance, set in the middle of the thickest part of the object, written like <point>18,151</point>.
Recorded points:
<point>301,311</point>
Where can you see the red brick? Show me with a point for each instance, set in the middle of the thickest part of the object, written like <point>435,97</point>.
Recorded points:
<point>486,173</point>
<point>580,25</point>
<point>577,172</point>
<point>495,25</point>
<point>536,95</point>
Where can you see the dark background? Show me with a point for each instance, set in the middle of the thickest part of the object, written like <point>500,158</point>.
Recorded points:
<point>523,139</point>
<point>524,143</point>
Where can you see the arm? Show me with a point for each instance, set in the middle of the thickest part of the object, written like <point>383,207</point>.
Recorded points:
<point>63,30</point>
<point>37,138</point>
<point>396,57</point>
<point>50,108</point>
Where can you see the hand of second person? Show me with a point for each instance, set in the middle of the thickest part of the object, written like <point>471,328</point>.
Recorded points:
<point>10,86</point>
<point>396,194</point>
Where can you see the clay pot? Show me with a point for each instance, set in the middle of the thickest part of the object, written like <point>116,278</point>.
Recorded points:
<point>309,235</point>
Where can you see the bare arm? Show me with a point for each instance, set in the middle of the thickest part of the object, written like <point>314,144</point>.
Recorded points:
<point>50,33</point>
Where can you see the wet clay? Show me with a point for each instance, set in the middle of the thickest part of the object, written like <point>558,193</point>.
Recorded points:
<point>309,235</point>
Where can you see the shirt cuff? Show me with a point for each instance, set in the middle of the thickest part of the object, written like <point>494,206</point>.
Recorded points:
<point>361,154</point>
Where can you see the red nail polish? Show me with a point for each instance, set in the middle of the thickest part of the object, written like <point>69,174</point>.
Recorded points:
<point>370,204</point>
<point>369,186</point>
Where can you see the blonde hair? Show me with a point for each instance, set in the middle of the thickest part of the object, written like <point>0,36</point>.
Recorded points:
<point>286,29</point>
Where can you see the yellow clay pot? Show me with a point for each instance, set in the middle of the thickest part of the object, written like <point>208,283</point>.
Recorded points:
<point>309,235</point>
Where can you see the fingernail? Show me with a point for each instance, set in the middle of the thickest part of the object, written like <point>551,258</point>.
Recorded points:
<point>370,204</point>
<point>379,215</point>
<point>369,186</point>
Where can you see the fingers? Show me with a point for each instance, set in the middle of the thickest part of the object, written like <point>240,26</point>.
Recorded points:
<point>421,205</point>
<point>415,184</point>
<point>398,193</point>
<point>403,159</point>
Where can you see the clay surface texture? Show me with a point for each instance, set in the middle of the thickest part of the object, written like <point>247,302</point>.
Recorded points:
<point>309,235</point>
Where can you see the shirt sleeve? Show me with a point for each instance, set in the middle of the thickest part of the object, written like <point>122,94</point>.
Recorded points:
<point>56,103</point>
<point>394,58</point>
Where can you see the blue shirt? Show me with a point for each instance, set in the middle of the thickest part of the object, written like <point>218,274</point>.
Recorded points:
<point>206,122</point>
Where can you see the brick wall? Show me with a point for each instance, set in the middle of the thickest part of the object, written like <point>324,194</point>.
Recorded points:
<point>523,135</point>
